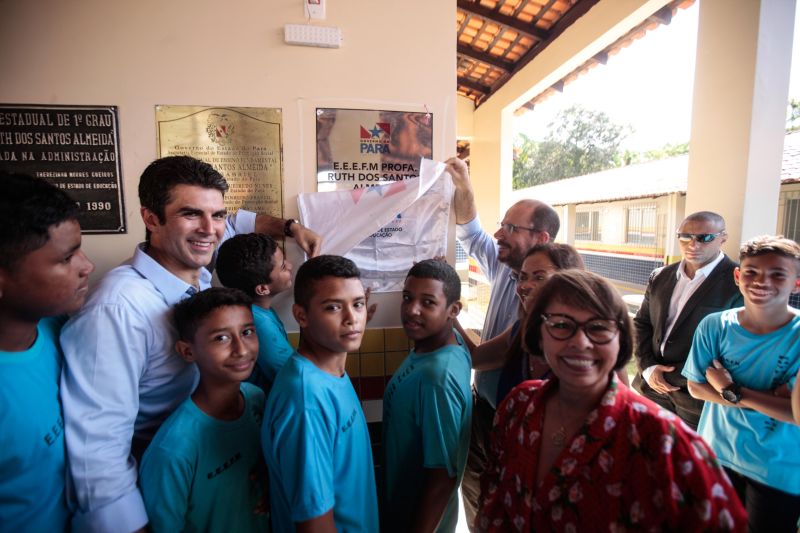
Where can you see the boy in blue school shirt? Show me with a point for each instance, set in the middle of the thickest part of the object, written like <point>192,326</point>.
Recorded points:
<point>314,435</point>
<point>427,407</point>
<point>203,471</point>
<point>740,361</point>
<point>255,264</point>
<point>43,274</point>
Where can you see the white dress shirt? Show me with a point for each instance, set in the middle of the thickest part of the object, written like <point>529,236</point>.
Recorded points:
<point>684,289</point>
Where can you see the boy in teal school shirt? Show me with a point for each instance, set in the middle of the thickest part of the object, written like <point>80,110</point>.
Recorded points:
<point>427,407</point>
<point>43,274</point>
<point>255,264</point>
<point>740,361</point>
<point>314,435</point>
<point>203,471</point>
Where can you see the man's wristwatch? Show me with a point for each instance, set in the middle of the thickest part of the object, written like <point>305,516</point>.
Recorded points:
<point>732,393</point>
<point>287,226</point>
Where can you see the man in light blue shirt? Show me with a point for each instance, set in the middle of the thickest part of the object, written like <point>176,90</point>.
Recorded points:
<point>122,377</point>
<point>525,224</point>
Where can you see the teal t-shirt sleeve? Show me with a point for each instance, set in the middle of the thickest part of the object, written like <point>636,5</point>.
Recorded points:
<point>274,347</point>
<point>166,482</point>
<point>304,453</point>
<point>441,419</point>
<point>705,348</point>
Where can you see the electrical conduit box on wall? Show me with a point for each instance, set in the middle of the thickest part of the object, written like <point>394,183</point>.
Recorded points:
<point>314,9</point>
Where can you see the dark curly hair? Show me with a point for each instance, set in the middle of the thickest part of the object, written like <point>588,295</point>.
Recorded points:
<point>29,207</point>
<point>190,313</point>
<point>563,256</point>
<point>441,271</point>
<point>317,268</point>
<point>162,175</point>
<point>770,244</point>
<point>245,261</point>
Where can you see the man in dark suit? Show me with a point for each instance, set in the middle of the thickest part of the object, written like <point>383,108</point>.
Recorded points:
<point>677,298</point>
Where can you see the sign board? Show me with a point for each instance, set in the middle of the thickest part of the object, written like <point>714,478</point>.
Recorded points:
<point>242,143</point>
<point>76,148</point>
<point>358,148</point>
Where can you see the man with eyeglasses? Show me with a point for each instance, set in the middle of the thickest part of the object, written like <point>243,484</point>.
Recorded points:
<point>677,298</point>
<point>525,224</point>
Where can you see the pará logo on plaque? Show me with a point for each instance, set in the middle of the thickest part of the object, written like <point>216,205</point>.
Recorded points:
<point>219,128</point>
<point>376,140</point>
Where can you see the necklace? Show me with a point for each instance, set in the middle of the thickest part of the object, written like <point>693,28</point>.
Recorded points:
<point>559,437</point>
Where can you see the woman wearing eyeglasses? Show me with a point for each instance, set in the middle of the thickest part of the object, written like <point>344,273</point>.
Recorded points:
<point>580,451</point>
<point>541,262</point>
<point>506,350</point>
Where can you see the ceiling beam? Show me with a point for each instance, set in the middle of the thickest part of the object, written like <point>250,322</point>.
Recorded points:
<point>524,108</point>
<point>485,57</point>
<point>663,15</point>
<point>474,85</point>
<point>575,12</point>
<point>542,11</point>
<point>511,22</point>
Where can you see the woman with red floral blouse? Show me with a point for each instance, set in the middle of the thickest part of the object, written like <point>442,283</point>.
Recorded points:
<point>581,452</point>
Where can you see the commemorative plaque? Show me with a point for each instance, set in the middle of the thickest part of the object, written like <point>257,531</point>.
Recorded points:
<point>76,148</point>
<point>358,148</point>
<point>243,143</point>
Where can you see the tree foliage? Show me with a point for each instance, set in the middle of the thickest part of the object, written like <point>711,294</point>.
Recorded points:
<point>579,141</point>
<point>668,150</point>
<point>793,115</point>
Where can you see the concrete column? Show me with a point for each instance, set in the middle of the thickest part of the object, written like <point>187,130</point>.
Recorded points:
<point>566,233</point>
<point>744,50</point>
<point>674,217</point>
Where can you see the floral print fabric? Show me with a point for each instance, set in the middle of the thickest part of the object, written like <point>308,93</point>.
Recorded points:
<point>632,466</point>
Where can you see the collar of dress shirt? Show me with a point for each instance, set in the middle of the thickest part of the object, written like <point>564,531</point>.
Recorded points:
<point>168,284</point>
<point>704,272</point>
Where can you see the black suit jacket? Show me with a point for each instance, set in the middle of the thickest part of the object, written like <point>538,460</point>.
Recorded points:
<point>717,293</point>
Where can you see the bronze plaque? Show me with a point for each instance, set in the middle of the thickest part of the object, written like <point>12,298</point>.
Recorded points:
<point>74,147</point>
<point>243,143</point>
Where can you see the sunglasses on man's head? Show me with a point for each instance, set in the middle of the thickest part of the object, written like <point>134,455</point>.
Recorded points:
<point>702,238</point>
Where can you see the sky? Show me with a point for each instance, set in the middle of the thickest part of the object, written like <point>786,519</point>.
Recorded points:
<point>647,85</point>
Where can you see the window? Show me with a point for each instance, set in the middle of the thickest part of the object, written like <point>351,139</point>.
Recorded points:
<point>587,226</point>
<point>791,219</point>
<point>640,225</point>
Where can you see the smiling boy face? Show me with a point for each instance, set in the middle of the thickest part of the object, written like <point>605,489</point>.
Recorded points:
<point>336,316</point>
<point>225,345</point>
<point>767,279</point>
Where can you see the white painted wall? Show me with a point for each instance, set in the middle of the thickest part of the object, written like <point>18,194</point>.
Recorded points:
<point>137,54</point>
